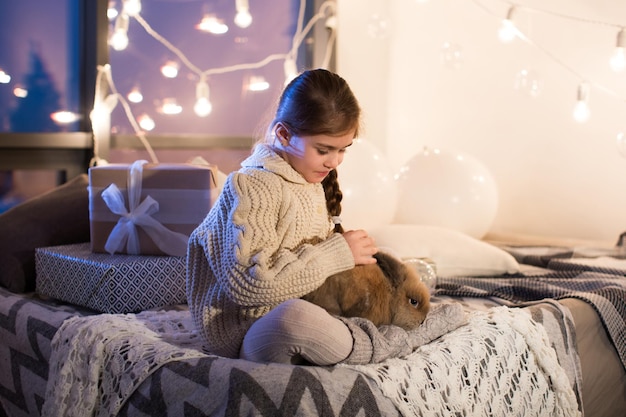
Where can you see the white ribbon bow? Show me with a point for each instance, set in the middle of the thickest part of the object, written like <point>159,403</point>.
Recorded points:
<point>124,234</point>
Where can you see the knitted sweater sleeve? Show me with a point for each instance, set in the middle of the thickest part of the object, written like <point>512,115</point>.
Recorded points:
<point>280,248</point>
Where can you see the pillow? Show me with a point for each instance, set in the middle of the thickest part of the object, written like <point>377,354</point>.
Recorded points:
<point>454,253</point>
<point>57,217</point>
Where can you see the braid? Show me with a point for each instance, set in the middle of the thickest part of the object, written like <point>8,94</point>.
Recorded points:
<point>333,197</point>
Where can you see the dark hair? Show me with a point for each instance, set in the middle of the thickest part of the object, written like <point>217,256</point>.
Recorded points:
<point>320,102</point>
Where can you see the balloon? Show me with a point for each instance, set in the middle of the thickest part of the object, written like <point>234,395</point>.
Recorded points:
<point>447,189</point>
<point>368,185</point>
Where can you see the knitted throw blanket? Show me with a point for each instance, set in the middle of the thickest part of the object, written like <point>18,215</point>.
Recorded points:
<point>500,364</point>
<point>97,363</point>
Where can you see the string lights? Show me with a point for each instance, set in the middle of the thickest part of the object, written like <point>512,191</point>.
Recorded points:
<point>508,31</point>
<point>243,18</point>
<point>131,9</point>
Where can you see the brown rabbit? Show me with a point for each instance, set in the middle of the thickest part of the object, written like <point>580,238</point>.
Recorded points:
<point>387,292</point>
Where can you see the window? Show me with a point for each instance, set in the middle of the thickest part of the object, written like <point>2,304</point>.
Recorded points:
<point>51,50</point>
<point>39,65</point>
<point>205,44</point>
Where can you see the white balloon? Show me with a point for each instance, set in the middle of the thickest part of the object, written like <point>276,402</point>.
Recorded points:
<point>447,189</point>
<point>368,185</point>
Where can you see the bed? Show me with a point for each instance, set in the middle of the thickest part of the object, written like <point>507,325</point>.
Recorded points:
<point>545,335</point>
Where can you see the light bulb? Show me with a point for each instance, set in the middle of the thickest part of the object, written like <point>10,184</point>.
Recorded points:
<point>20,91</point>
<point>119,39</point>
<point>4,77</point>
<point>451,55</point>
<point>132,7</point>
<point>618,59</point>
<point>111,10</point>
<point>135,96</point>
<point>581,109</point>
<point>203,106</point>
<point>212,24</point>
<point>171,107</point>
<point>258,83</point>
<point>529,82</point>
<point>508,31</point>
<point>146,122</point>
<point>170,69</point>
<point>64,117</point>
<point>243,18</point>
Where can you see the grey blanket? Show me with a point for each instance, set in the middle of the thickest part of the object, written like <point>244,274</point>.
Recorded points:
<point>560,273</point>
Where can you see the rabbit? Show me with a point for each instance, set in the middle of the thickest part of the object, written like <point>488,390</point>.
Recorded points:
<point>387,292</point>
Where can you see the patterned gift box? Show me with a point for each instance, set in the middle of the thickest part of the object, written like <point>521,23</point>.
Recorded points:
<point>148,209</point>
<point>109,283</point>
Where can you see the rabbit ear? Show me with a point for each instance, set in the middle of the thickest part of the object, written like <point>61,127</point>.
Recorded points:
<point>391,267</point>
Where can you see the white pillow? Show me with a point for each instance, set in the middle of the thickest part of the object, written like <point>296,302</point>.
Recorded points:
<point>454,253</point>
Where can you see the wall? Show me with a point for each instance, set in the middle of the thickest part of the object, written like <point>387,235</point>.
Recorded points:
<point>556,177</point>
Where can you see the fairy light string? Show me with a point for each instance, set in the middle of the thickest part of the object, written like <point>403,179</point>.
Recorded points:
<point>132,10</point>
<point>327,10</point>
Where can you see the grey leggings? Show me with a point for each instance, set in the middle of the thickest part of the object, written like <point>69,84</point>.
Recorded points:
<point>297,332</point>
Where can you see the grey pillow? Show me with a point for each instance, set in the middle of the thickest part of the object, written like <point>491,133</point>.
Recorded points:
<point>58,217</point>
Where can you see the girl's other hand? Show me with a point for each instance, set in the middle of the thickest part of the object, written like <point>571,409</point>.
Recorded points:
<point>362,246</point>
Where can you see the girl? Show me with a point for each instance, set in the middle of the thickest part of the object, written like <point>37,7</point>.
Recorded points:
<point>270,238</point>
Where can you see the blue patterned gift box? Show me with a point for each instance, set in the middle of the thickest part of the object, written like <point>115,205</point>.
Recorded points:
<point>109,283</point>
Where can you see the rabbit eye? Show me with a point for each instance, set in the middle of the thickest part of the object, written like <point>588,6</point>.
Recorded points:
<point>413,302</point>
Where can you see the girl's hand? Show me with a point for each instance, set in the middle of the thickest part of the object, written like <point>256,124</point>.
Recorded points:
<point>362,246</point>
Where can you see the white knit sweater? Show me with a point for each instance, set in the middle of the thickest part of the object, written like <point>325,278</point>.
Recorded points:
<point>249,255</point>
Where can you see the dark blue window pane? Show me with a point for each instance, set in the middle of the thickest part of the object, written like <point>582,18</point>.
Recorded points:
<point>38,65</point>
<point>236,109</point>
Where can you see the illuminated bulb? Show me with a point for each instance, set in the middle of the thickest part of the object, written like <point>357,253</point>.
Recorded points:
<point>146,122</point>
<point>111,10</point>
<point>64,117</point>
<point>291,70</point>
<point>135,96</point>
<point>119,38</point>
<point>170,69</point>
<point>618,59</point>
<point>203,106</point>
<point>243,18</point>
<point>171,107</point>
<point>4,77</point>
<point>20,92</point>
<point>212,24</point>
<point>581,109</point>
<point>258,83</point>
<point>132,7</point>
<point>508,31</point>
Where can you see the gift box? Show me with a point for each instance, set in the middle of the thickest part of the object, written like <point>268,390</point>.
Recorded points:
<point>148,209</point>
<point>109,283</point>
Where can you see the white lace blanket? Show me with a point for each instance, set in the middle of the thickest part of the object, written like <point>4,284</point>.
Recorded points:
<point>500,364</point>
<point>98,361</point>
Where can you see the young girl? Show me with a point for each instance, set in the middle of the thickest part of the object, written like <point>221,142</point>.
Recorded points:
<point>253,257</point>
